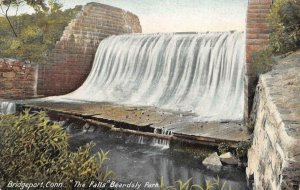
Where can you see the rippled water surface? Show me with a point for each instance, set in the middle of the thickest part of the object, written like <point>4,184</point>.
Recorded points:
<point>143,159</point>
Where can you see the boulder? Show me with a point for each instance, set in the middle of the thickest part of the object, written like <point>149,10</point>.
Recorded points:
<point>212,162</point>
<point>228,158</point>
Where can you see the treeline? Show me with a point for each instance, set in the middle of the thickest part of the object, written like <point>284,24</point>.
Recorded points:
<point>30,37</point>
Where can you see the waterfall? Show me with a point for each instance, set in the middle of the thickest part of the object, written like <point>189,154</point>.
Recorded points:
<point>7,108</point>
<point>36,77</point>
<point>200,73</point>
<point>161,143</point>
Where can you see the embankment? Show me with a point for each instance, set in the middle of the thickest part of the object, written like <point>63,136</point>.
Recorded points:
<point>274,158</point>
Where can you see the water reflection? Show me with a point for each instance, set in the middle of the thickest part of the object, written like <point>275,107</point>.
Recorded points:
<point>135,158</point>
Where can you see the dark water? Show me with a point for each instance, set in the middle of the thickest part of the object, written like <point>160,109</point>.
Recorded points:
<point>142,159</point>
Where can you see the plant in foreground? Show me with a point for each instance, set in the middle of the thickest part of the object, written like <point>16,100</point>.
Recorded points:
<point>33,150</point>
<point>209,185</point>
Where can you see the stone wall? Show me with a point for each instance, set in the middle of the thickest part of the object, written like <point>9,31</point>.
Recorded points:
<point>274,158</point>
<point>17,80</point>
<point>257,37</point>
<point>71,60</point>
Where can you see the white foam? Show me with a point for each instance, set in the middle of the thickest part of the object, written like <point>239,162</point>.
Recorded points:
<point>198,73</point>
<point>7,107</point>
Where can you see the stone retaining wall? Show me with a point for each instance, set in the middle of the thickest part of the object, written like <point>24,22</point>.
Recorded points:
<point>274,158</point>
<point>17,80</point>
<point>71,60</point>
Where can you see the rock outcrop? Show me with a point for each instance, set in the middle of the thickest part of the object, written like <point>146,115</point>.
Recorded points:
<point>212,162</point>
<point>274,158</point>
<point>228,158</point>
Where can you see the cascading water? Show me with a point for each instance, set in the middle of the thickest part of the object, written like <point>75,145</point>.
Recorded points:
<point>162,143</point>
<point>201,73</point>
<point>197,73</point>
<point>7,108</point>
<point>36,77</point>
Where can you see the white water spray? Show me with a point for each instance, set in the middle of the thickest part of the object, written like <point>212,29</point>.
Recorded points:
<point>201,73</point>
<point>161,143</point>
<point>36,77</point>
<point>7,107</point>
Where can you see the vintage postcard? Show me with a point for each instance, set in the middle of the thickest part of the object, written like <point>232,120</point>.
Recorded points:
<point>150,94</point>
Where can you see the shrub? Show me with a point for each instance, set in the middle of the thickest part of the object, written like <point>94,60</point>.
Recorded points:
<point>284,21</point>
<point>197,152</point>
<point>33,150</point>
<point>262,61</point>
<point>242,149</point>
<point>223,148</point>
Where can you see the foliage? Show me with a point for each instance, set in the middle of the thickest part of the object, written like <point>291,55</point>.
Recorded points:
<point>223,148</point>
<point>209,185</point>
<point>6,5</point>
<point>33,150</point>
<point>242,149</point>
<point>36,34</point>
<point>262,61</point>
<point>197,152</point>
<point>284,21</point>
<point>38,5</point>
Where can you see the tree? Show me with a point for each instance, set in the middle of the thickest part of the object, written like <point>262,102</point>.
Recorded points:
<point>284,21</point>
<point>6,5</point>
<point>35,34</point>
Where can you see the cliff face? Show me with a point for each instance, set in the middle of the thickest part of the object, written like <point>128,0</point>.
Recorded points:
<point>274,158</point>
<point>69,63</point>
